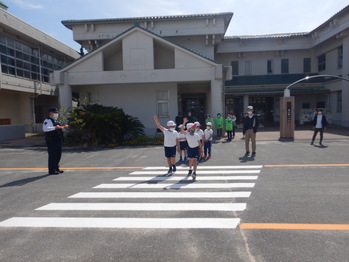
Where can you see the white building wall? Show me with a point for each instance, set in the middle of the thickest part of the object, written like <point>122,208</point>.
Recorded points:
<point>138,100</point>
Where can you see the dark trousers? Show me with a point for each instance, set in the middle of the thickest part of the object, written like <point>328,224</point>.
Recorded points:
<point>317,130</point>
<point>229,134</point>
<point>54,149</point>
<point>207,147</point>
<point>219,133</point>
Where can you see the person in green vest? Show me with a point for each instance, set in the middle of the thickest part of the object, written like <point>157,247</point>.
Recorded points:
<point>209,119</point>
<point>229,125</point>
<point>219,125</point>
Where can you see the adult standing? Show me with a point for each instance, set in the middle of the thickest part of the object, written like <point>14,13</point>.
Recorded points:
<point>319,125</point>
<point>54,137</point>
<point>229,127</point>
<point>209,119</point>
<point>250,127</point>
<point>219,125</point>
<point>179,120</point>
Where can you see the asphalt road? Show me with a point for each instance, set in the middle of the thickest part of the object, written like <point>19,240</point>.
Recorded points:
<point>296,187</point>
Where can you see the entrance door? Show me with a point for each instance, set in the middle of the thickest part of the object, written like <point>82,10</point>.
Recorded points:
<point>196,104</point>
<point>264,107</point>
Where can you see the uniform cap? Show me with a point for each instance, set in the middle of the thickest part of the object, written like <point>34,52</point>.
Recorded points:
<point>209,124</point>
<point>250,107</point>
<point>171,123</point>
<point>197,123</point>
<point>53,110</point>
<point>190,125</point>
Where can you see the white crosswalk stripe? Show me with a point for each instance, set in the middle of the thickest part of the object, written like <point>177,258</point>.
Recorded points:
<point>147,206</point>
<point>176,178</point>
<point>201,172</point>
<point>105,222</point>
<point>190,195</point>
<point>216,208</point>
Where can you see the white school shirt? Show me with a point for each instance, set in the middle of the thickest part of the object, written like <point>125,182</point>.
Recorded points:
<point>200,133</point>
<point>192,139</point>
<point>170,138</point>
<point>319,121</point>
<point>181,137</point>
<point>208,133</point>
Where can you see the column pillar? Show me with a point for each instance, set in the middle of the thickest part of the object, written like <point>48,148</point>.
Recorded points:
<point>345,84</point>
<point>217,95</point>
<point>25,109</point>
<point>65,93</point>
<point>246,103</point>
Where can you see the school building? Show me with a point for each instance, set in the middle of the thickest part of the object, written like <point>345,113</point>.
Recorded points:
<point>168,64</point>
<point>27,56</point>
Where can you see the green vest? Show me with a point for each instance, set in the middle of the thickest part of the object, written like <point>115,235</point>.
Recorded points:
<point>229,124</point>
<point>210,120</point>
<point>219,122</point>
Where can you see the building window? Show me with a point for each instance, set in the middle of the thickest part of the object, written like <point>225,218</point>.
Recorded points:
<point>306,105</point>
<point>235,67</point>
<point>320,104</point>
<point>339,102</point>
<point>93,97</point>
<point>306,65</point>
<point>321,62</point>
<point>21,60</point>
<point>162,103</point>
<point>270,66</point>
<point>248,69</point>
<point>284,66</point>
<point>340,57</point>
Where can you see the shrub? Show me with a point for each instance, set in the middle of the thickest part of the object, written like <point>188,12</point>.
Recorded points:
<point>97,125</point>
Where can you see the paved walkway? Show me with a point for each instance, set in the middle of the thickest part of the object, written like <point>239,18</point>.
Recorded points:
<point>264,134</point>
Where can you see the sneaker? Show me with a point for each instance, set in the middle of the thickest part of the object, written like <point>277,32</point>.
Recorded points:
<point>174,169</point>
<point>193,175</point>
<point>189,172</point>
<point>253,154</point>
<point>247,154</point>
<point>320,144</point>
<point>180,159</point>
<point>169,172</point>
<point>209,157</point>
<point>205,156</point>
<point>312,143</point>
<point>185,159</point>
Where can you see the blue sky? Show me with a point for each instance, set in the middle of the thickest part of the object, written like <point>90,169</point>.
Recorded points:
<point>250,16</point>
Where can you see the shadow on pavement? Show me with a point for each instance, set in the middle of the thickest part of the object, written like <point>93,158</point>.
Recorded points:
<point>24,181</point>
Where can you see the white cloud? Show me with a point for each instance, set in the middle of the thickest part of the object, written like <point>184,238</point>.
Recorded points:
<point>27,4</point>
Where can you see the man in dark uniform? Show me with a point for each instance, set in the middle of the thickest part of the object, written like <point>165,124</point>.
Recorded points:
<point>54,137</point>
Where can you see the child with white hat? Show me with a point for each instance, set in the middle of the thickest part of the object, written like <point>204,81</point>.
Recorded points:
<point>194,146</point>
<point>171,142</point>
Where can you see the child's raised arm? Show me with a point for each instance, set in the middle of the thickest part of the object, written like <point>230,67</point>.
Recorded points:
<point>155,117</point>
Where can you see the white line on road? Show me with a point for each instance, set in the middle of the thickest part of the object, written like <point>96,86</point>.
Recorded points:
<point>146,206</point>
<point>85,222</point>
<point>201,167</point>
<point>162,195</point>
<point>178,185</point>
<point>199,172</point>
<point>176,178</point>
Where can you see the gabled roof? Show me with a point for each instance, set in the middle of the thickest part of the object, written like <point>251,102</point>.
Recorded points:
<point>69,23</point>
<point>287,35</point>
<point>137,27</point>
<point>345,9</point>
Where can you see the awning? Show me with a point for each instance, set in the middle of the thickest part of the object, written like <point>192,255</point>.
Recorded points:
<point>277,90</point>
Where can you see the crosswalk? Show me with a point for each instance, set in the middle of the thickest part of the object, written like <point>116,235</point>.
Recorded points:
<point>150,199</point>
